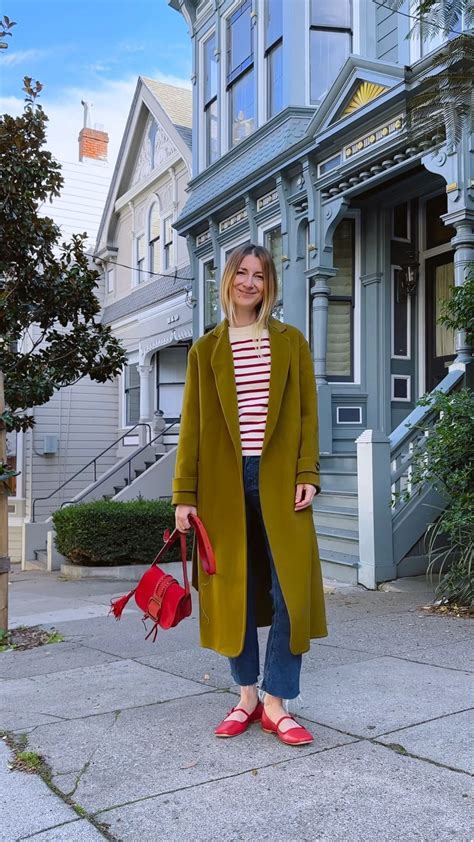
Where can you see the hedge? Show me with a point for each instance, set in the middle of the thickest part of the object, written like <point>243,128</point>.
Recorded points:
<point>107,533</point>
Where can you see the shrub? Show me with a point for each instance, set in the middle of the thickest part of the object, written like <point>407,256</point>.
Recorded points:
<point>447,462</point>
<point>107,532</point>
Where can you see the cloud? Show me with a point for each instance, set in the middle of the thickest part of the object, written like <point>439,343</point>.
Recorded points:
<point>111,101</point>
<point>11,58</point>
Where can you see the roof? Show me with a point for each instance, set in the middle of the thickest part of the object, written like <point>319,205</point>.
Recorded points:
<point>145,296</point>
<point>177,103</point>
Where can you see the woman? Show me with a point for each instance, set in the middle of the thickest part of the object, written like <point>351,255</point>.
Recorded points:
<point>247,463</point>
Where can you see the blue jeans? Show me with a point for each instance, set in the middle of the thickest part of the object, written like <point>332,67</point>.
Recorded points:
<point>281,674</point>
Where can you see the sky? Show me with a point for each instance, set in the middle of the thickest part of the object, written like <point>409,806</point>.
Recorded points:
<point>92,50</point>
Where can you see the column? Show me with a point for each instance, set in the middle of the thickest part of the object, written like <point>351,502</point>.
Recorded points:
<point>320,290</point>
<point>146,399</point>
<point>463,243</point>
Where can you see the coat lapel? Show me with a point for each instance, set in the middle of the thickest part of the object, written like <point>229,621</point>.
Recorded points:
<point>223,367</point>
<point>280,364</point>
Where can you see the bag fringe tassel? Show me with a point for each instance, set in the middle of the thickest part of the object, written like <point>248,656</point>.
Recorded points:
<point>117,605</point>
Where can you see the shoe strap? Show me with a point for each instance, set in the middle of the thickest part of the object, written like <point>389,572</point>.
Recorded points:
<point>234,710</point>
<point>286,717</point>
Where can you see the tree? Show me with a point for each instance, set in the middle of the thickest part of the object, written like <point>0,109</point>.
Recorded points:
<point>444,95</point>
<point>50,331</point>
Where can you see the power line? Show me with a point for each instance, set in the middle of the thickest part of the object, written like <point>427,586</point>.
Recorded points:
<point>418,18</point>
<point>174,275</point>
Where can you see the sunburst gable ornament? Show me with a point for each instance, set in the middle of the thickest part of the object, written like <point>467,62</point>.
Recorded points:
<point>366,92</point>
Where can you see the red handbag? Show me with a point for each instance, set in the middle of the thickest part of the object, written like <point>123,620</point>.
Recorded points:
<point>159,595</point>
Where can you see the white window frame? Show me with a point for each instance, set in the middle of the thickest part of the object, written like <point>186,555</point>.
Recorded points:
<point>201,77</point>
<point>407,378</point>
<point>154,200</point>
<point>355,45</point>
<point>110,278</point>
<point>168,218</point>
<point>224,113</point>
<point>202,262</point>
<point>349,423</point>
<point>394,268</point>
<point>132,360</point>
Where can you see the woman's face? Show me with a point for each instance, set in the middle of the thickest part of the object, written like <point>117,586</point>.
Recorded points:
<point>247,289</point>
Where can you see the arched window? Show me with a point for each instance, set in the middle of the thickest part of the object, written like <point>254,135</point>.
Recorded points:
<point>154,239</point>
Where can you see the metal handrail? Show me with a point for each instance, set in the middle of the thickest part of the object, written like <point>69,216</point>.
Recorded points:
<point>92,462</point>
<point>123,464</point>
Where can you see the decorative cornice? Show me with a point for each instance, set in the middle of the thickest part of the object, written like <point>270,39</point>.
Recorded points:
<point>365,92</point>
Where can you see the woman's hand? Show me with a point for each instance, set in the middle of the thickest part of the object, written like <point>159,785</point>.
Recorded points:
<point>181,517</point>
<point>304,496</point>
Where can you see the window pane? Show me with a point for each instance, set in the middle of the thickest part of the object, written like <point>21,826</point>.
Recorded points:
<point>132,395</point>
<point>335,14</point>
<point>329,51</point>
<point>273,21</point>
<point>275,80</point>
<point>242,107</point>
<point>444,280</point>
<point>210,69</point>
<point>240,38</point>
<point>211,298</point>
<point>343,246</point>
<point>274,244</point>
<point>212,148</point>
<point>154,222</point>
<point>339,350</point>
<point>400,318</point>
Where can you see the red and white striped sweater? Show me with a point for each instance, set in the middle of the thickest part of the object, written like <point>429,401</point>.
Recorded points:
<point>252,379</point>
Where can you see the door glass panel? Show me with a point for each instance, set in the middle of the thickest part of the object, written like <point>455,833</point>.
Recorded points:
<point>444,280</point>
<point>437,233</point>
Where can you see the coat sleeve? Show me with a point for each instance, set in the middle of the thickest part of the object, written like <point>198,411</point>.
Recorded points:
<point>184,484</point>
<point>307,470</point>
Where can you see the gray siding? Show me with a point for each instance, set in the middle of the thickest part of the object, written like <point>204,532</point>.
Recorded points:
<point>386,23</point>
<point>85,418</point>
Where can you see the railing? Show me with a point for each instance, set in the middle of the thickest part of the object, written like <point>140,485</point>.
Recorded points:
<point>123,465</point>
<point>409,439</point>
<point>388,532</point>
<point>96,458</point>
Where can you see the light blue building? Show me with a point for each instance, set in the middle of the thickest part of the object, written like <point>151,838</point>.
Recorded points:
<point>301,141</point>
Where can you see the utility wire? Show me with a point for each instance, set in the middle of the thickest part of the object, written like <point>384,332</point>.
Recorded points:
<point>418,18</point>
<point>173,275</point>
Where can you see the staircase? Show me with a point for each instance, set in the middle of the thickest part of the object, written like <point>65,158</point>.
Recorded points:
<point>146,472</point>
<point>336,517</point>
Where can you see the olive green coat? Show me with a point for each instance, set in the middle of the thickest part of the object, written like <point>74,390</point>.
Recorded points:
<point>208,475</point>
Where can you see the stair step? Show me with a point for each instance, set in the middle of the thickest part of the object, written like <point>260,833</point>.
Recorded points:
<point>348,499</point>
<point>41,555</point>
<point>340,566</point>
<point>118,488</point>
<point>338,517</point>
<point>139,472</point>
<point>339,480</point>
<point>36,564</point>
<point>345,541</point>
<point>148,465</point>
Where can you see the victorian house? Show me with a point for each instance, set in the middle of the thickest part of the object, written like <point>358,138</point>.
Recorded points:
<point>305,141</point>
<point>107,440</point>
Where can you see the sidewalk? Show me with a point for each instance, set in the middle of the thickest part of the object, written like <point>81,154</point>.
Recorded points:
<point>125,726</point>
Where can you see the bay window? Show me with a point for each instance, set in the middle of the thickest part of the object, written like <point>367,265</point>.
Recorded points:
<point>330,43</point>
<point>274,55</point>
<point>210,101</point>
<point>240,73</point>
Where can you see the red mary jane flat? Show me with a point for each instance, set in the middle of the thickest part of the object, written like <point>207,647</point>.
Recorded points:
<point>292,737</point>
<point>232,727</point>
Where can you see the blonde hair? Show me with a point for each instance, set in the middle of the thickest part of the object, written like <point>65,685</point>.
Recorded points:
<point>270,287</point>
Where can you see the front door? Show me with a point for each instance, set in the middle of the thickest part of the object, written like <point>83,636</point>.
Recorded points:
<point>440,352</point>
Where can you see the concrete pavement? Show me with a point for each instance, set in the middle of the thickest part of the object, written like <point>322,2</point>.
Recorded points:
<point>125,727</point>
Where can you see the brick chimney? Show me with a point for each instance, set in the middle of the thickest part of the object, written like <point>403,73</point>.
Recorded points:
<point>93,142</point>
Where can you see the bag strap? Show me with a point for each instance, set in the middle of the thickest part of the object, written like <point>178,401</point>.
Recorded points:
<point>206,552</point>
